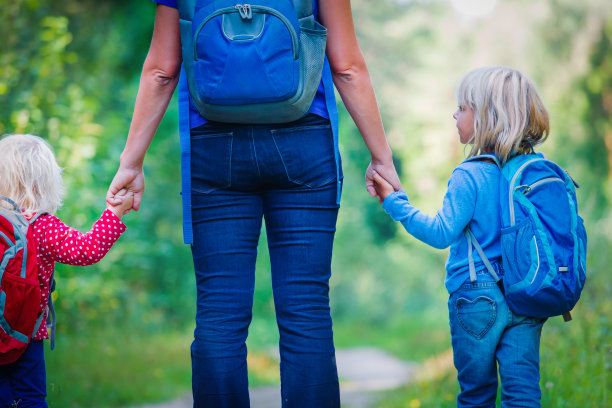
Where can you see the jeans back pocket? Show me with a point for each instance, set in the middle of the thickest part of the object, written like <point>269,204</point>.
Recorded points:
<point>476,316</point>
<point>211,159</point>
<point>307,153</point>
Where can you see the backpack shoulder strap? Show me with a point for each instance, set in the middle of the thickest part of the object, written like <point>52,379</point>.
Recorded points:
<point>485,157</point>
<point>303,8</point>
<point>473,244</point>
<point>185,141</point>
<point>186,9</point>
<point>11,202</point>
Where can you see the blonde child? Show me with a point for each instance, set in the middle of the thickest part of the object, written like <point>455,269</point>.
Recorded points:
<point>31,178</point>
<point>500,114</point>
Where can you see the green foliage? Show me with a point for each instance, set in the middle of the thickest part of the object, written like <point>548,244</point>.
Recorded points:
<point>71,76</point>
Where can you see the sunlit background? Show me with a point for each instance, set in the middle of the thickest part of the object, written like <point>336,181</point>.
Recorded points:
<point>69,72</point>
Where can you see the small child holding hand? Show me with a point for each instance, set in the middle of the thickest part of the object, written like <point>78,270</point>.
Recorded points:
<point>502,115</point>
<point>31,179</point>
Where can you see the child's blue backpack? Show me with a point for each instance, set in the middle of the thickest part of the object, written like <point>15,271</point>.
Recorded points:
<point>251,63</point>
<point>543,239</point>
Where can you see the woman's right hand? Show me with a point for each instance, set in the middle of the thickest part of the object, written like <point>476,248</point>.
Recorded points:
<point>160,73</point>
<point>130,179</point>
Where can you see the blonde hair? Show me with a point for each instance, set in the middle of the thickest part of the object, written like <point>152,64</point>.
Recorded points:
<point>29,174</point>
<point>509,115</point>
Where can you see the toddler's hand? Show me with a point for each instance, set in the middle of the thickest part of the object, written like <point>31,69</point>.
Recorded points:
<point>383,187</point>
<point>124,207</point>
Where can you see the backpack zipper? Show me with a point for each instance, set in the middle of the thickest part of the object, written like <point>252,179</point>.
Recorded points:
<point>527,188</point>
<point>535,274</point>
<point>511,192</point>
<point>241,9</point>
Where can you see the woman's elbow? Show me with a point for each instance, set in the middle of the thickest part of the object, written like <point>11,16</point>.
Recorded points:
<point>348,71</point>
<point>162,75</point>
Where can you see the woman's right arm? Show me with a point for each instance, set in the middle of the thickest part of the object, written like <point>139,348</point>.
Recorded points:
<point>158,81</point>
<point>352,79</point>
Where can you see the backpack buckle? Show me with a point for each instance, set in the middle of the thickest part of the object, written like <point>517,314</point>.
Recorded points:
<point>245,11</point>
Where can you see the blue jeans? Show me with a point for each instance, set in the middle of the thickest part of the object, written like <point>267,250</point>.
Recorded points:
<point>486,335</point>
<point>23,384</point>
<point>287,175</point>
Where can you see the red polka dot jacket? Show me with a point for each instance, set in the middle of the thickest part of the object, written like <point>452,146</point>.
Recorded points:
<point>57,242</point>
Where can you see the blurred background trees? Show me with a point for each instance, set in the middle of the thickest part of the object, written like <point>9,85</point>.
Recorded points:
<point>69,72</point>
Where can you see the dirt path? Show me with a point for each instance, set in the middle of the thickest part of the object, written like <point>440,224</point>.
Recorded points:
<point>364,374</point>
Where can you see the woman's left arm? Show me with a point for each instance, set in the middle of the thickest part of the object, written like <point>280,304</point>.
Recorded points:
<point>352,79</point>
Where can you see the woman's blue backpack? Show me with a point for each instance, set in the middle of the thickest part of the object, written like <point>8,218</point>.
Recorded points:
<point>543,239</point>
<point>251,63</point>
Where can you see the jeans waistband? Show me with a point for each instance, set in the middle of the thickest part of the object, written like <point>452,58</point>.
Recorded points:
<point>483,274</point>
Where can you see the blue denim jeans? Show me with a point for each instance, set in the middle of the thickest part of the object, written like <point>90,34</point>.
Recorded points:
<point>23,384</point>
<point>487,335</point>
<point>285,174</point>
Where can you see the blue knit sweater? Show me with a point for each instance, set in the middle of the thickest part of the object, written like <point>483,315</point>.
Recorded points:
<point>472,198</point>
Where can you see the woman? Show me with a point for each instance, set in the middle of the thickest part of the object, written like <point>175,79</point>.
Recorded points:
<point>286,173</point>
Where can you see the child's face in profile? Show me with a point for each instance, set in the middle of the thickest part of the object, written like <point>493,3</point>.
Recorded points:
<point>464,116</point>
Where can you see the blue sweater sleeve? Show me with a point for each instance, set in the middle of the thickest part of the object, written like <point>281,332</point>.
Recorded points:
<point>442,229</point>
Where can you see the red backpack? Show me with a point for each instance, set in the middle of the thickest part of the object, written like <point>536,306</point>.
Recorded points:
<point>20,294</point>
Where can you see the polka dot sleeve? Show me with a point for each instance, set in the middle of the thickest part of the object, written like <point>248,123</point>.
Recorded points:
<point>56,242</point>
<point>66,245</point>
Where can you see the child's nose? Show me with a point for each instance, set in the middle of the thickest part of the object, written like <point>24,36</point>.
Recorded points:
<point>455,114</point>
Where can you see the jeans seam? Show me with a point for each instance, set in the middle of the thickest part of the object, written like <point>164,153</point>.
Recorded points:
<point>299,128</point>
<point>255,159</point>
<point>280,154</point>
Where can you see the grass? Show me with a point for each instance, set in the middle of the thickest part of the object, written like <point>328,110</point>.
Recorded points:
<point>112,369</point>
<point>408,337</point>
<point>121,368</point>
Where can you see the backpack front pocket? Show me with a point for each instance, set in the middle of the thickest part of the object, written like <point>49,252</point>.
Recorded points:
<point>521,255</point>
<point>20,300</point>
<point>246,53</point>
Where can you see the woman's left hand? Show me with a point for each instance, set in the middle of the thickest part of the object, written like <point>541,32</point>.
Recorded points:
<point>387,171</point>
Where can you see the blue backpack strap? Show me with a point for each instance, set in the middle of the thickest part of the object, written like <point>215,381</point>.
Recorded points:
<point>51,320</point>
<point>482,157</point>
<point>473,244</point>
<point>185,138</point>
<point>38,323</point>
<point>332,110</point>
<point>11,202</point>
